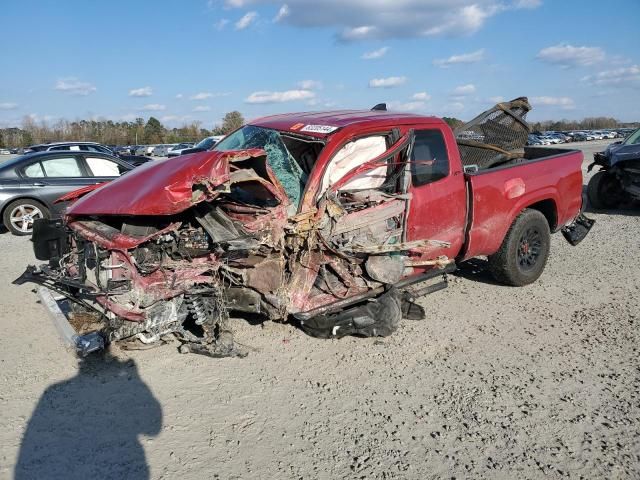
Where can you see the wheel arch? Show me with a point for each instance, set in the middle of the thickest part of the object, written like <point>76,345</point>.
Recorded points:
<point>549,209</point>
<point>23,197</point>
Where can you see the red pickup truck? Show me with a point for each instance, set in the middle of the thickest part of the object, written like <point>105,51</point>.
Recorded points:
<point>329,219</point>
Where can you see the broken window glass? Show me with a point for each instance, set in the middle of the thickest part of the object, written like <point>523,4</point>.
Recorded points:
<point>282,163</point>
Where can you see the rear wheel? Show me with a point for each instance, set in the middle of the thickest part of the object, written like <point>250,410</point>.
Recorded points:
<point>604,191</point>
<point>524,251</point>
<point>19,216</point>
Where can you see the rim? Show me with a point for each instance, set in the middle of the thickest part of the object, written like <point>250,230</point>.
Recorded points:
<point>529,248</point>
<point>23,216</point>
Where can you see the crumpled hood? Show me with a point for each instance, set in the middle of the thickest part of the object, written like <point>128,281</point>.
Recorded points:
<point>164,187</point>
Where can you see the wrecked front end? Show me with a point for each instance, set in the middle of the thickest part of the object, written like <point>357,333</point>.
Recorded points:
<point>173,248</point>
<point>217,245</point>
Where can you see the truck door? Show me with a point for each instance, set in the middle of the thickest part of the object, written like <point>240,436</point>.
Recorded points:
<point>438,205</point>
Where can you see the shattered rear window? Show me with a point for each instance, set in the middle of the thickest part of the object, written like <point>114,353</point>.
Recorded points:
<point>284,166</point>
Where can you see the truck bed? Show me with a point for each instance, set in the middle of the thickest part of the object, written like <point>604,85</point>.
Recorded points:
<point>549,179</point>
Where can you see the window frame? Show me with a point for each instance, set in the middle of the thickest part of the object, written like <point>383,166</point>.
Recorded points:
<point>414,163</point>
<point>79,160</point>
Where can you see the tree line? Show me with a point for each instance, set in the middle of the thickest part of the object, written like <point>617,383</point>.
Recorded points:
<point>108,132</point>
<point>152,131</point>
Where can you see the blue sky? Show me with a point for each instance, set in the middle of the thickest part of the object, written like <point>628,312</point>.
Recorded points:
<point>182,61</point>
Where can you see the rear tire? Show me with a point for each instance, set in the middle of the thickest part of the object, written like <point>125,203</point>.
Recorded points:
<point>604,191</point>
<point>19,215</point>
<point>524,250</point>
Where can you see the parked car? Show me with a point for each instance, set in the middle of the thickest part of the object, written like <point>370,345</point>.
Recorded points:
<point>140,150</point>
<point>30,184</point>
<point>5,151</point>
<point>323,198</point>
<point>178,150</point>
<point>135,160</point>
<point>149,149</point>
<point>204,145</point>
<point>618,180</point>
<point>533,140</point>
<point>162,149</point>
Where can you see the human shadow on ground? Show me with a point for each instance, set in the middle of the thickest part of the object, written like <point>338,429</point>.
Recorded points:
<point>89,426</point>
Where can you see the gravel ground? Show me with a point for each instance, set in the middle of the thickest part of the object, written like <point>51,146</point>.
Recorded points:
<point>498,382</point>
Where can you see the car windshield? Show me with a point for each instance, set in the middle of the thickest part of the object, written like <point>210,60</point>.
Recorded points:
<point>285,167</point>
<point>633,139</point>
<point>206,144</point>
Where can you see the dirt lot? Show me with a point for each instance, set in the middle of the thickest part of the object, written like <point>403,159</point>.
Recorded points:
<point>498,382</point>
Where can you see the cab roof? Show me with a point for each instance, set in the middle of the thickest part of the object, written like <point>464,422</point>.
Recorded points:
<point>323,124</point>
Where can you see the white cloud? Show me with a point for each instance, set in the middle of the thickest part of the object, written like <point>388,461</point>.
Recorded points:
<point>282,13</point>
<point>527,3</point>
<point>8,106</point>
<point>496,99</point>
<point>389,82</point>
<point>464,90</point>
<point>206,95</point>
<point>569,56</point>
<point>619,77</point>
<point>73,86</point>
<point>154,107</point>
<point>375,54</point>
<point>455,107</point>
<point>202,108</point>
<point>355,20</point>
<point>565,103</point>
<point>221,24</point>
<point>141,92</point>
<point>464,58</point>
<point>406,106</point>
<point>310,85</point>
<point>421,96</point>
<point>174,118</point>
<point>279,97</point>
<point>201,96</point>
<point>179,95</point>
<point>246,20</point>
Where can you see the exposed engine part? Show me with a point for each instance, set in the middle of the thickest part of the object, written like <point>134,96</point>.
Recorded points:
<point>199,310</point>
<point>192,242</point>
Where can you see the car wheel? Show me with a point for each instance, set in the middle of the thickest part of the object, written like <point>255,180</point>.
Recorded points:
<point>604,191</point>
<point>19,216</point>
<point>524,251</point>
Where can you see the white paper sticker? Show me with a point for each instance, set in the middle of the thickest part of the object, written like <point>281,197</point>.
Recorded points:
<point>319,129</point>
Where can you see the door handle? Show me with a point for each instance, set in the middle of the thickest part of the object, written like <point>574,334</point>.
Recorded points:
<point>39,184</point>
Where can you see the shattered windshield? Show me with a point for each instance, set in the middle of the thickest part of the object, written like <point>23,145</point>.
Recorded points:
<point>280,160</point>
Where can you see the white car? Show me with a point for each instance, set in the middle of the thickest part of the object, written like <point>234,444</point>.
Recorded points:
<point>4,151</point>
<point>547,140</point>
<point>149,149</point>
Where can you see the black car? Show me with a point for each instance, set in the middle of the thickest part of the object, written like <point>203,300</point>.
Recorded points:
<point>135,160</point>
<point>29,184</point>
<point>204,145</point>
<point>618,180</point>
